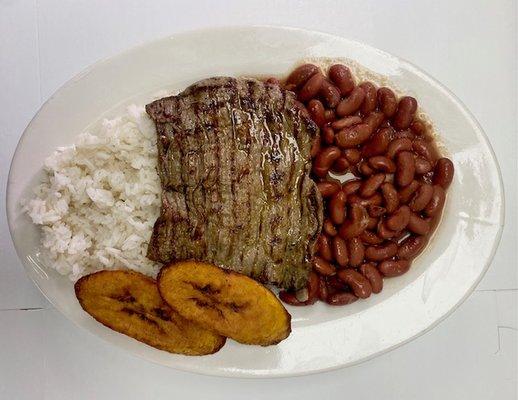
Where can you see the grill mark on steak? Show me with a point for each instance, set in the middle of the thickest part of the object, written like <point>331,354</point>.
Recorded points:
<point>238,192</point>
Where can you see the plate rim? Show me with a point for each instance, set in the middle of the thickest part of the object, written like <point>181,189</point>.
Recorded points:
<point>281,28</point>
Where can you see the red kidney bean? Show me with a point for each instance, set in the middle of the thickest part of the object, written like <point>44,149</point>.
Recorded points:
<point>382,163</point>
<point>365,169</point>
<point>325,159</point>
<point>378,143</point>
<point>422,166</point>
<point>340,166</point>
<point>356,251</point>
<point>341,299</point>
<point>405,113</point>
<point>324,248</point>
<point>323,267</point>
<point>398,145</point>
<point>369,237</point>
<point>411,247</point>
<point>329,228</point>
<point>340,253</point>
<point>399,220</point>
<point>328,135</point>
<point>352,103</point>
<point>370,271</point>
<point>322,289</point>
<point>346,122</point>
<point>337,208</point>
<point>404,134</point>
<point>341,76</point>
<point>373,223</point>
<point>352,136</point>
<point>315,147</point>
<point>330,93</point>
<point>329,115</point>
<point>351,187</point>
<point>374,200</point>
<point>352,155</point>
<point>334,284</point>
<point>390,196</point>
<point>387,101</point>
<point>312,287</point>
<point>405,194</point>
<point>418,127</point>
<point>376,211</point>
<point>422,197</point>
<point>311,87</point>
<point>316,111</point>
<point>289,86</point>
<point>443,173</point>
<point>405,168</point>
<point>328,188</point>
<point>372,184</point>
<point>425,149</point>
<point>434,207</point>
<point>384,232</point>
<point>392,268</point>
<point>356,223</point>
<point>382,252</point>
<point>290,298</point>
<point>359,284</point>
<point>369,102</point>
<point>301,75</point>
<point>418,225</point>
<point>374,120</point>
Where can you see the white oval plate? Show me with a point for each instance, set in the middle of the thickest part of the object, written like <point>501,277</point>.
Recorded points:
<point>323,337</point>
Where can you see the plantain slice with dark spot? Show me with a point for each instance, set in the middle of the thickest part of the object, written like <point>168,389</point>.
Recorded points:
<point>226,302</point>
<point>128,302</point>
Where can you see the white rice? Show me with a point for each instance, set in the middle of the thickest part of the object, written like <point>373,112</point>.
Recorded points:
<point>100,198</point>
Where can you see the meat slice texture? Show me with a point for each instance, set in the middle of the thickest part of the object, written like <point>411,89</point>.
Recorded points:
<point>234,163</point>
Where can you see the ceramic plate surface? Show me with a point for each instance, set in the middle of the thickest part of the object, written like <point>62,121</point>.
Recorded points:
<point>323,337</point>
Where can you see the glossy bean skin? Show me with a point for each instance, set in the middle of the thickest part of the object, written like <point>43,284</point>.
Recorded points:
<point>422,197</point>
<point>340,166</point>
<point>356,252</point>
<point>371,238</point>
<point>384,232</point>
<point>340,253</point>
<point>387,101</point>
<point>436,203</point>
<point>329,115</point>
<point>391,197</point>
<point>315,147</point>
<point>411,247</point>
<point>329,228</point>
<point>418,127</point>
<point>352,136</point>
<point>359,284</point>
<point>325,159</point>
<point>418,225</point>
<point>422,166</point>
<point>337,208</point>
<point>399,219</point>
<point>301,74</point>
<point>341,299</point>
<point>373,223</point>
<point>311,87</point>
<point>376,211</point>
<point>352,155</point>
<point>328,135</point>
<point>324,248</point>
<point>323,267</point>
<point>328,188</point>
<point>351,187</point>
<point>365,169</point>
<point>405,169</point>
<point>330,93</point>
<point>312,287</point>
<point>346,122</point>
<point>323,292</point>
<point>374,120</point>
<point>341,76</point>
<point>369,102</point>
<point>443,173</point>
<point>290,298</point>
<point>406,193</point>
<point>378,143</point>
<point>352,103</point>
<point>356,224</point>
<point>316,111</point>
<point>381,252</point>
<point>382,163</point>
<point>372,184</point>
<point>398,145</point>
<point>425,149</point>
<point>370,271</point>
<point>405,113</point>
<point>374,200</point>
<point>392,268</point>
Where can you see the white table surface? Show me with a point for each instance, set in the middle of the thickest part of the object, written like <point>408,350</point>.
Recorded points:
<point>469,45</point>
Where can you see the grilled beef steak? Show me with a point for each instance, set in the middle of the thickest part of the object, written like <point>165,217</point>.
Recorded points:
<point>234,164</point>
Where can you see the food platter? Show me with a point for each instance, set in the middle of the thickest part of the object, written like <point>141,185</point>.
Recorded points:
<point>322,337</point>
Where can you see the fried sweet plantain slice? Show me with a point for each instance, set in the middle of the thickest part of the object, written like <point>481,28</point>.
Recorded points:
<point>128,302</point>
<point>226,302</point>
